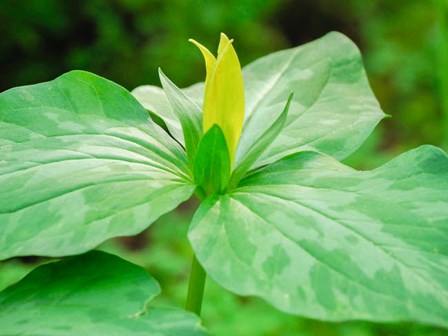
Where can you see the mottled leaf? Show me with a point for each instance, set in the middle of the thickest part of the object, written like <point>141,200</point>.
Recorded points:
<point>92,294</point>
<point>333,110</point>
<point>318,239</point>
<point>80,162</point>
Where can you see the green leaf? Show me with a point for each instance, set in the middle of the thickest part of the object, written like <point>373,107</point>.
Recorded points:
<point>259,146</point>
<point>318,239</point>
<point>212,164</point>
<point>92,294</point>
<point>188,114</point>
<point>81,162</point>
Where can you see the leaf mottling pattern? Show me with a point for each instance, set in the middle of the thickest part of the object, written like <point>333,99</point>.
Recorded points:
<point>92,294</point>
<point>80,162</point>
<point>316,238</point>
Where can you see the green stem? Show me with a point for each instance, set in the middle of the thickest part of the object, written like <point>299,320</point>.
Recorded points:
<point>197,275</point>
<point>195,287</point>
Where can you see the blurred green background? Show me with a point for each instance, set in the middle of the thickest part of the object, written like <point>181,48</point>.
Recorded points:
<point>405,49</point>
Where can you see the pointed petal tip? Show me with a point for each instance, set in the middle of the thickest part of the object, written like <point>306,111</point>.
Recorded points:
<point>207,54</point>
<point>196,43</point>
<point>224,37</point>
<point>223,43</point>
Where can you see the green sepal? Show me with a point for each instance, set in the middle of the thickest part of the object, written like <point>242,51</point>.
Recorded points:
<point>188,113</point>
<point>258,146</point>
<point>212,164</point>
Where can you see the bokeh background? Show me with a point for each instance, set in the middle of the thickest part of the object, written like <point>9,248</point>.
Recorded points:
<point>405,49</point>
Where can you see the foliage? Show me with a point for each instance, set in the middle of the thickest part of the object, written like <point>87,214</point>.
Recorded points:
<point>83,162</point>
<point>255,317</point>
<point>94,294</point>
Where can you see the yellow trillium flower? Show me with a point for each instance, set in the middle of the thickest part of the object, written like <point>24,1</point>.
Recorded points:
<point>224,92</point>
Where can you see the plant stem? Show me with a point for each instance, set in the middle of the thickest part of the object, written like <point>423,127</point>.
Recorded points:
<point>197,275</point>
<point>195,287</point>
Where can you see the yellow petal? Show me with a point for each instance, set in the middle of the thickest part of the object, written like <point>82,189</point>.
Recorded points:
<point>210,60</point>
<point>208,120</point>
<point>224,93</point>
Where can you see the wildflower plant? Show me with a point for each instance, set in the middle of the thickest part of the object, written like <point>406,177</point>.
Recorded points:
<point>83,160</point>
